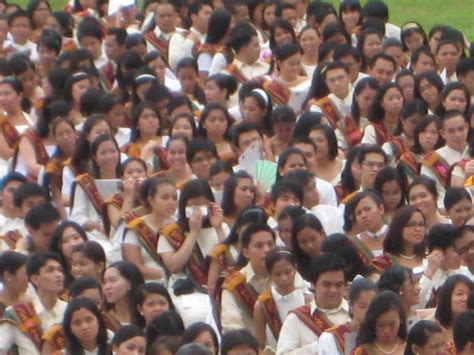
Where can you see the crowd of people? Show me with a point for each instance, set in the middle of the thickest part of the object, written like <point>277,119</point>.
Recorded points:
<point>234,177</point>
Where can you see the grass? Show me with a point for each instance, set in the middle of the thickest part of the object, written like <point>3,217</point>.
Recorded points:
<point>457,13</point>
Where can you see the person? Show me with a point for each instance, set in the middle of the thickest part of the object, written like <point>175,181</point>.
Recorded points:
<point>241,288</point>
<point>303,326</point>
<point>256,107</point>
<point>309,40</point>
<point>239,192</point>
<point>88,260</point>
<point>381,67</point>
<point>166,324</point>
<point>283,120</point>
<point>203,334</point>
<point>14,279</point>
<point>120,281</point>
<point>350,175</point>
<point>462,336</point>
<point>219,88</point>
<point>452,302</point>
<point>391,186</point>
<point>425,338</point>
<point>371,159</point>
<point>44,310</point>
<point>129,340</point>
<point>179,171</point>
<point>422,60</point>
<point>239,340</point>
<point>152,299</point>
<point>454,130</point>
<point>140,241</point>
<point>448,54</point>
<point>113,107</point>
<point>20,25</point>
<point>200,154</point>
<point>86,287</point>
<point>384,327</point>
<point>341,339</point>
<point>84,328</point>
<point>188,75</point>
<point>458,205</point>
<point>464,244</point>
<point>428,87</point>
<point>273,305</point>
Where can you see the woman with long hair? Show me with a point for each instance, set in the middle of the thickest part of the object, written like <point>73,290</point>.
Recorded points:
<point>309,40</point>
<point>391,185</point>
<point>425,338</point>
<point>239,193</point>
<point>428,87</point>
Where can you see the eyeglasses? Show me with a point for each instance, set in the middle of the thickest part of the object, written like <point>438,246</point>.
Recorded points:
<point>466,248</point>
<point>206,158</point>
<point>413,225</point>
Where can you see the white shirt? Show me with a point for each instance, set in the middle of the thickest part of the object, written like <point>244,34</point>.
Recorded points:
<point>11,335</point>
<point>251,71</point>
<point>218,63</point>
<point>122,136</point>
<point>343,105</point>
<point>11,224</point>
<point>181,47</point>
<point>297,339</point>
<point>101,61</point>
<point>29,48</point>
<point>327,194</point>
<point>451,156</point>
<point>330,217</point>
<point>445,78</point>
<point>392,31</point>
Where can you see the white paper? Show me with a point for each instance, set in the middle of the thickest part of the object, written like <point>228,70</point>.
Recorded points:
<point>248,159</point>
<point>297,98</point>
<point>107,187</point>
<point>116,5</point>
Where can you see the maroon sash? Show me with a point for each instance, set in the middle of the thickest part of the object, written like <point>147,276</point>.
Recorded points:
<point>158,43</point>
<point>87,183</point>
<point>339,333</point>
<point>42,156</point>
<point>409,164</point>
<point>111,323</point>
<point>9,131</point>
<point>232,70</point>
<point>25,318</point>
<point>242,291</point>
<point>148,238</point>
<point>381,132</point>
<point>331,113</point>
<point>108,71</point>
<point>317,322</point>
<point>280,94</point>
<point>383,262</point>
<point>439,167</point>
<point>352,133</point>
<point>11,238</point>
<point>271,313</point>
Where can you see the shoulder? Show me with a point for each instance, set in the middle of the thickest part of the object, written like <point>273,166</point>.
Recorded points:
<point>233,280</point>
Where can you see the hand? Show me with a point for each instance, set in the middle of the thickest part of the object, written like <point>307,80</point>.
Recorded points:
<point>469,169</point>
<point>128,186</point>
<point>435,258</point>
<point>195,222</point>
<point>267,149</point>
<point>216,215</point>
<point>149,148</point>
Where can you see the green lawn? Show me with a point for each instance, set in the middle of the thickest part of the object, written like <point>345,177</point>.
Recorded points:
<point>457,13</point>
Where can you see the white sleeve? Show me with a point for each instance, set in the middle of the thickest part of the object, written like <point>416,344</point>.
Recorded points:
<point>327,345</point>
<point>387,148</point>
<point>204,61</point>
<point>439,187</point>
<point>231,314</point>
<point>131,238</point>
<point>176,50</point>
<point>218,64</point>
<point>80,210</point>
<point>164,246</point>
<point>8,337</point>
<point>341,140</point>
<point>327,194</point>
<point>426,289</point>
<point>369,136</point>
<point>289,340</point>
<point>68,179</point>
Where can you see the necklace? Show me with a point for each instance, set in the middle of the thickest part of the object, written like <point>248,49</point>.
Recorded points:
<point>408,257</point>
<point>384,351</point>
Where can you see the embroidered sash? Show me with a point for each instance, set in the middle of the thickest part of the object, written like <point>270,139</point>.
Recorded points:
<point>9,131</point>
<point>55,336</point>
<point>160,44</point>
<point>111,323</point>
<point>383,262</point>
<point>317,322</point>
<point>162,158</point>
<point>205,48</point>
<point>280,94</point>
<point>330,111</point>
<point>339,333</point>
<point>42,156</point>
<point>365,253</point>
<point>399,146</point>
<point>11,238</point>
<point>24,317</point>
<point>349,129</point>
<point>232,70</point>
<point>410,164</point>
<point>242,291</point>
<point>381,132</point>
<point>227,52</point>
<point>439,167</point>
<point>271,313</point>
<point>195,264</point>
<point>362,350</point>
<point>132,150</point>
<point>88,184</point>
<point>108,72</point>
<point>221,253</point>
<point>147,237</point>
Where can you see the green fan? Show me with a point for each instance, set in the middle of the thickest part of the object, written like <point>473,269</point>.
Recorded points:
<point>266,173</point>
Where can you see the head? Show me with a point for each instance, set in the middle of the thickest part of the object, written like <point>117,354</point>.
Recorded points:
<point>183,124</point>
<point>401,281</point>
<point>307,180</point>
<point>244,135</point>
<point>361,293</point>
<point>145,121</point>
<point>129,339</point>
<point>239,192</point>
<point>458,204</point>
<point>455,96</point>
<point>422,60</point>
<point>382,67</point>
<point>285,192</point>
<point>453,298</point>
<point>90,36</point>
<point>66,237</point>
<point>153,299</point>
<point>307,234</point>
<point>371,159</point>
<point>13,271</point>
<point>368,211</point>
<point>463,338</point>
<point>454,130</point>
<point>215,122</point>
<point>86,287</point>
<point>422,193</point>
<point>105,155</point>
<point>291,159</point>
<point>240,341</point>
<point>464,244</point>
<point>391,185</point>
<point>194,193</point>
<point>200,154</point>
<point>41,221</point>
<point>426,137</point>
<point>203,334</point>
<point>440,237</point>
<point>424,338</point>
<point>388,101</point>
<point>257,241</point>
<point>46,273</point>
<point>88,260</point>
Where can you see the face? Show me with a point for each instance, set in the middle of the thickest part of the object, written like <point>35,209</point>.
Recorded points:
<point>434,41</point>
<point>92,45</point>
<point>330,289</point>
<point>465,248</point>
<point>187,78</point>
<point>159,66</point>
<point>414,41</point>
<point>183,126</point>
<point>282,36</point>
<point>350,18</point>
<point>133,346</point>
<point>369,215</point>
<point>269,15</point>
<point>428,92</point>
<point>352,65</point>
<point>283,276</point>
<point>52,22</point>
<point>177,154</point>
<point>165,15</point>
<point>310,41</point>
<point>148,122</point>
<point>46,56</point>
<point>456,100</point>
<point>454,132</point>
<point>410,291</point>
<point>294,162</point>
<point>18,280</point>
<point>101,127</point>
<point>201,19</point>
<point>260,244</point>
<point>252,50</point>
<point>372,45</point>
<point>205,338</point>
<point>284,231</point>
<point>135,171</point>
<point>387,326</point>
<point>65,136</point>
<point>84,325</point>
<point>214,93</point>
<point>392,101</point>
<point>291,66</point>
<point>107,155</point>
<point>69,240</point>
<point>448,56</point>
<point>252,111</point>
<point>20,29</point>
<point>429,137</point>
<point>115,286</point>
<point>201,164</point>
<point>435,345</point>
<point>82,266</point>
<point>284,200</point>
<point>459,297</point>
<point>79,88</point>
<point>407,84</point>
<point>7,193</point>
<point>425,63</point>
<point>249,138</point>
<point>338,81</point>
<point>370,167</point>
<point>29,203</point>
<point>9,99</point>
<point>396,53</point>
<point>284,130</point>
<point>318,137</point>
<point>391,195</point>
<point>460,212</point>
<point>50,277</point>
<point>309,153</point>
<point>42,237</point>
<point>310,241</point>
<point>311,194</point>
<point>382,71</point>
<point>112,49</point>
<point>216,124</point>
<point>153,305</point>
<point>360,306</point>
<point>420,197</point>
<point>94,295</point>
<point>409,123</point>
<point>165,201</point>
<point>364,100</point>
<point>244,193</point>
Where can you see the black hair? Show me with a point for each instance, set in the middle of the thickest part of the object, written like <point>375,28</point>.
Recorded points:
<point>41,214</point>
<point>265,103</point>
<point>393,278</point>
<point>376,9</point>
<point>283,24</point>
<point>332,29</point>
<point>65,21</point>
<point>385,301</point>
<point>376,111</point>
<point>454,195</point>
<point>33,6</point>
<point>344,50</point>
<point>425,181</point>
<point>325,50</point>
<point>358,286</point>
<point>51,40</point>
<point>277,254</point>
<point>157,92</point>
<point>323,11</point>
<point>179,101</point>
<point>91,250</point>
<point>195,330</point>
<point>251,230</point>
<point>420,334</point>
<point>286,185</point>
<point>462,329</point>
<point>200,144</point>
<point>285,155</point>
<point>454,85</point>
<point>94,146</point>
<point>192,189</point>
<point>16,14</point>
<point>125,333</point>
<point>465,66</point>
<point>250,214</point>
<point>423,50</point>
<point>11,262</point>
<point>241,128</point>
<point>444,313</point>
<point>120,34</point>
<point>388,174</point>
<point>393,242</point>
<point>12,176</point>
<point>341,245</point>
<point>410,28</point>
<point>50,114</point>
<point>228,204</point>
<point>239,337</point>
<point>305,122</point>
<point>347,179</point>
<point>82,284</point>
<point>73,345</point>
<point>283,114</point>
<point>420,127</point>
<point>326,262</point>
<point>361,42</point>
<point>319,87</point>
<point>190,63</point>
<point>167,323</point>
<point>89,27</point>
<point>410,108</point>
<point>440,237</point>
<point>220,166</point>
<point>285,51</point>
<point>218,27</point>
<point>433,78</point>
<point>134,39</point>
<point>224,81</point>
<point>330,135</point>
<point>136,113</point>
<point>89,100</point>
<point>37,260</point>
<point>367,149</point>
<point>301,176</point>
<point>240,35</point>
<point>205,113</point>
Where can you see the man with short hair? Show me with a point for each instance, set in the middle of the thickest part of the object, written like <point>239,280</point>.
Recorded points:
<point>463,334</point>
<point>352,58</point>
<point>201,153</point>
<point>303,326</point>
<point>464,244</point>
<point>24,324</point>
<point>372,159</point>
<point>382,68</point>
<point>20,28</point>
<point>465,74</point>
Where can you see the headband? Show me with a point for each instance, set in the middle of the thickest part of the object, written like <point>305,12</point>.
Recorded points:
<point>144,77</point>
<point>80,76</point>
<point>410,25</point>
<point>263,94</point>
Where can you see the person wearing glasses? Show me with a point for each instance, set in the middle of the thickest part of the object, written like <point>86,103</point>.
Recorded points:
<point>201,153</point>
<point>464,244</point>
